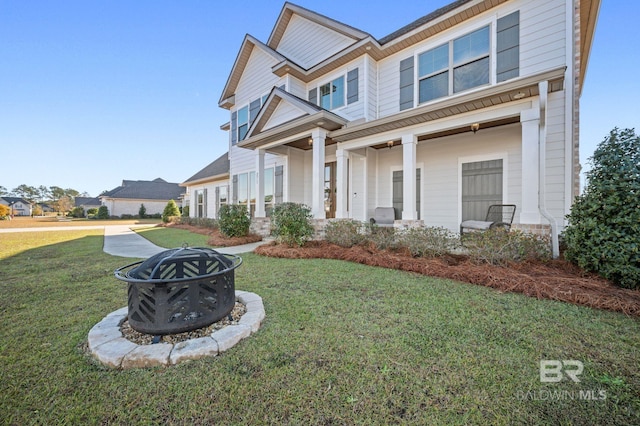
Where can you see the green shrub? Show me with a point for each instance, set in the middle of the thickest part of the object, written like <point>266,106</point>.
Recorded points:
<point>92,211</point>
<point>103,212</point>
<point>202,222</point>
<point>185,211</point>
<point>142,211</point>
<point>344,232</point>
<point>170,210</point>
<point>428,242</point>
<point>234,220</point>
<point>604,223</point>
<point>77,212</point>
<point>127,216</point>
<point>500,247</point>
<point>290,223</point>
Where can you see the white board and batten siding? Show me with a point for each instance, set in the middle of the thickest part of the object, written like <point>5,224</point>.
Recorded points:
<point>307,43</point>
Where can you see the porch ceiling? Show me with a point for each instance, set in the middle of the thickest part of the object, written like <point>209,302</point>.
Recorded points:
<point>496,95</point>
<point>451,132</point>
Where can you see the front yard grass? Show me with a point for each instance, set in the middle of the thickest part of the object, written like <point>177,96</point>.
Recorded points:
<point>342,343</point>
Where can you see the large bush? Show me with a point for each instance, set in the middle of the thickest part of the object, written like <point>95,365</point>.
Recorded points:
<point>142,211</point>
<point>77,212</point>
<point>603,234</point>
<point>291,223</point>
<point>170,211</point>
<point>103,212</point>
<point>234,220</point>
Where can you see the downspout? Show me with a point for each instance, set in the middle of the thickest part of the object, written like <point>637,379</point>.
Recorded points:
<point>543,87</point>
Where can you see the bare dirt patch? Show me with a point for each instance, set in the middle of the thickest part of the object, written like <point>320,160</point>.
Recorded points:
<point>555,280</point>
<point>216,239</point>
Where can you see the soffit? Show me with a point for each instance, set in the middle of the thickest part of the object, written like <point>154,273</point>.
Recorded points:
<point>495,95</point>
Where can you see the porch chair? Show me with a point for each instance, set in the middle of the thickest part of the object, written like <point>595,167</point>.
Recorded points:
<point>498,216</point>
<point>383,216</point>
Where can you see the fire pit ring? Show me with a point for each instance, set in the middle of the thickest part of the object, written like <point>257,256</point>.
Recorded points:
<point>179,290</point>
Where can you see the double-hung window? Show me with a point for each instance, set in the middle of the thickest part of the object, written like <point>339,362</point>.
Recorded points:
<point>332,94</point>
<point>458,65</point>
<point>243,122</point>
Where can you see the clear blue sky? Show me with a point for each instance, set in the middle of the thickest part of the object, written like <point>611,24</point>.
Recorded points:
<point>94,92</point>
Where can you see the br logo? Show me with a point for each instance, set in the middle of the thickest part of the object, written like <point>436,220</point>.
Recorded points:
<point>552,370</point>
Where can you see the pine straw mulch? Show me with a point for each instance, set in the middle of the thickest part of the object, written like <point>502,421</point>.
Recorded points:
<point>216,239</point>
<point>555,280</point>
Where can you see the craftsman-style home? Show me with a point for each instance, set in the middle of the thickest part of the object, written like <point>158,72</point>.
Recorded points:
<point>476,103</point>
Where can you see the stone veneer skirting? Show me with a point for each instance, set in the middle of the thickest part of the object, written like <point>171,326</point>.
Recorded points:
<point>108,345</point>
<point>542,230</point>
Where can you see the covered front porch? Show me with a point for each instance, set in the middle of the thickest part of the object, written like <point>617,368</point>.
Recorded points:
<point>464,155</point>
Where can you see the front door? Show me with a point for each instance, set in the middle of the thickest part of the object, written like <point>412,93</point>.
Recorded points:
<point>330,189</point>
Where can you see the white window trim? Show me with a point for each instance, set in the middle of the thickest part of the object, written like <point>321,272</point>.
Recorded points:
<point>504,156</point>
<point>329,81</point>
<point>450,37</point>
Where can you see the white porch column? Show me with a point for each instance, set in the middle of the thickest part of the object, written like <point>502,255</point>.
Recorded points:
<point>409,143</point>
<point>530,121</point>
<point>342,179</point>
<point>260,184</point>
<point>317,172</point>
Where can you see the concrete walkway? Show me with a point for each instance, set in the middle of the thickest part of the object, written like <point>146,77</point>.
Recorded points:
<point>121,240</point>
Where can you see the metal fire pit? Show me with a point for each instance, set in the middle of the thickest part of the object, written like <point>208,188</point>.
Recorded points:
<point>180,289</point>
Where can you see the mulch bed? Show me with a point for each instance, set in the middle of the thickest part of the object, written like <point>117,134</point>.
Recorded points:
<point>216,239</point>
<point>555,280</point>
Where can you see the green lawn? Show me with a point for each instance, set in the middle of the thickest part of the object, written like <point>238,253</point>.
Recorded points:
<point>342,343</point>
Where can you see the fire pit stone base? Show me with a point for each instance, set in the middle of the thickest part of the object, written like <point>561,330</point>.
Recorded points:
<point>107,344</point>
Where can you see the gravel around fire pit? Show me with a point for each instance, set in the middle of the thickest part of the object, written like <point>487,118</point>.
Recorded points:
<point>146,339</point>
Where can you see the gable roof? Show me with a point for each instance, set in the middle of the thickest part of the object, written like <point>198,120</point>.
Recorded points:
<point>289,9</point>
<point>312,116</point>
<point>13,200</point>
<point>248,44</point>
<point>421,29</point>
<point>217,169</point>
<point>158,189</point>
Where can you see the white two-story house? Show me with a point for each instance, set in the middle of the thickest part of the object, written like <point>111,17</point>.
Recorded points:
<point>473,104</point>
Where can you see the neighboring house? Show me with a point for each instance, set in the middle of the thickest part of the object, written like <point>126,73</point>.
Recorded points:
<point>128,197</point>
<point>208,189</point>
<point>88,203</point>
<point>19,206</point>
<point>477,102</point>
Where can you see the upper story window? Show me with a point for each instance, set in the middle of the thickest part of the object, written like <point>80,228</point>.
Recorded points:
<point>242,118</point>
<point>332,94</point>
<point>336,93</point>
<point>243,122</point>
<point>462,63</point>
<point>458,65</point>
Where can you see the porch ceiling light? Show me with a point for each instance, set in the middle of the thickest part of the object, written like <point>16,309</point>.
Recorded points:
<point>310,141</point>
<point>475,127</point>
<point>519,95</point>
<point>390,144</point>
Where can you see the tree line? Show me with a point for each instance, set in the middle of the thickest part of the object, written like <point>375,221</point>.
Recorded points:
<point>60,199</point>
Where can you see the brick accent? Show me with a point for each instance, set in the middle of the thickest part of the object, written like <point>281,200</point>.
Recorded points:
<point>533,229</point>
<point>261,226</point>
